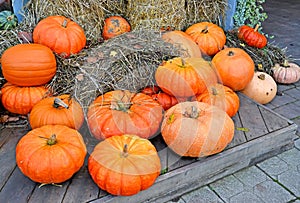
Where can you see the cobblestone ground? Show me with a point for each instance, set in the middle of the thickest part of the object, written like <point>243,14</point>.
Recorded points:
<point>276,179</point>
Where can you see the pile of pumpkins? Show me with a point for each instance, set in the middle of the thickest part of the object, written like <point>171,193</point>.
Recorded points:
<point>191,106</point>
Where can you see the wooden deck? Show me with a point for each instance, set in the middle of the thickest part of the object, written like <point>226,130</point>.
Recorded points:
<point>269,134</point>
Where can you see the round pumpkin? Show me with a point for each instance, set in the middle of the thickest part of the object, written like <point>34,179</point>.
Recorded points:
<point>183,41</point>
<point>286,73</point>
<point>28,64</point>
<point>20,100</point>
<point>262,88</point>
<point>185,77</point>
<point>151,90</point>
<point>8,20</point>
<point>197,129</point>
<point>123,112</point>
<point>114,26</point>
<point>62,35</point>
<point>208,36</point>
<point>165,100</point>
<point>221,96</point>
<point>59,110</point>
<point>251,36</point>
<point>234,67</point>
<point>50,154</point>
<point>124,165</point>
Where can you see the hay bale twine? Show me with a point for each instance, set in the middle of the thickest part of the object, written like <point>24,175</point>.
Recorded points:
<point>156,14</point>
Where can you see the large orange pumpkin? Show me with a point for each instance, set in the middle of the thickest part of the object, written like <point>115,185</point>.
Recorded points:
<point>60,34</point>
<point>209,37</point>
<point>222,97</point>
<point>185,77</point>
<point>28,64</point>
<point>124,165</point>
<point>235,67</point>
<point>123,112</point>
<point>62,110</point>
<point>114,26</point>
<point>20,100</point>
<point>51,153</point>
<point>183,41</point>
<point>197,129</point>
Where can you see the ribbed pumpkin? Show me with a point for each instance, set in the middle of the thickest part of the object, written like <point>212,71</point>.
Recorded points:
<point>60,34</point>
<point>221,96</point>
<point>286,73</point>
<point>234,67</point>
<point>183,41</point>
<point>50,154</point>
<point>252,36</point>
<point>28,64</point>
<point>8,20</point>
<point>197,129</point>
<point>209,37</point>
<point>123,112</point>
<point>59,110</point>
<point>124,165</point>
<point>114,26</point>
<point>20,100</point>
<point>185,77</point>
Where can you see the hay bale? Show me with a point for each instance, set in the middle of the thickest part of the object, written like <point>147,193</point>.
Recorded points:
<point>206,10</point>
<point>156,14</point>
<point>114,7</point>
<point>127,61</point>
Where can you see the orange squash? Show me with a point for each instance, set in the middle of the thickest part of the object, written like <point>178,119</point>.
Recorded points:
<point>124,165</point>
<point>114,26</point>
<point>251,36</point>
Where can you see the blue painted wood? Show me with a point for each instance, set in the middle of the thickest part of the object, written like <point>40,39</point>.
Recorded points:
<point>229,22</point>
<point>17,7</point>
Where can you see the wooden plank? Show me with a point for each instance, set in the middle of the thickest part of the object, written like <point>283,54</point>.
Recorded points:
<point>207,170</point>
<point>251,118</point>
<point>5,134</point>
<point>162,150</point>
<point>175,161</point>
<point>239,135</point>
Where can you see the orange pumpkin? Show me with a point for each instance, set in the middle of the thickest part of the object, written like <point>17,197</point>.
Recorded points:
<point>62,110</point>
<point>183,41</point>
<point>165,100</point>
<point>114,26</point>
<point>209,37</point>
<point>123,112</point>
<point>197,129</point>
<point>234,67</point>
<point>252,36</point>
<point>60,34</point>
<point>124,165</point>
<point>51,153</point>
<point>20,100</point>
<point>185,77</point>
<point>221,96</point>
<point>28,64</point>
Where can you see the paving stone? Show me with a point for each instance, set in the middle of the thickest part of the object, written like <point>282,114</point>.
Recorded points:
<point>291,157</point>
<point>282,100</point>
<point>291,180</point>
<point>251,176</point>
<point>202,195</point>
<point>227,187</point>
<point>245,197</point>
<point>289,111</point>
<point>297,143</point>
<point>270,191</point>
<point>273,166</point>
<point>294,92</point>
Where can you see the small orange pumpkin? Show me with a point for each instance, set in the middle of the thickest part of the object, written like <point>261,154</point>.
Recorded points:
<point>20,100</point>
<point>60,34</point>
<point>124,165</point>
<point>221,96</point>
<point>251,36</point>
<point>197,129</point>
<point>114,26</point>
<point>50,154</point>
<point>59,110</point>
<point>28,64</point>
<point>234,67</point>
<point>123,112</point>
<point>209,37</point>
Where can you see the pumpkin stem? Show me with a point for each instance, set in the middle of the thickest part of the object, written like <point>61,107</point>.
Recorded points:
<point>286,63</point>
<point>230,53</point>
<point>256,27</point>
<point>261,76</point>
<point>191,113</point>
<point>51,140</point>
<point>125,151</point>
<point>205,30</point>
<point>59,103</point>
<point>214,91</point>
<point>64,24</point>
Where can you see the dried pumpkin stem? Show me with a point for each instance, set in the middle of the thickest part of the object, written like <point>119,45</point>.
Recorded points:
<point>214,91</point>
<point>51,140</point>
<point>230,53</point>
<point>125,151</point>
<point>256,27</point>
<point>286,63</point>
<point>191,113</point>
<point>261,76</point>
<point>64,24</point>
<point>59,103</point>
<point>205,30</point>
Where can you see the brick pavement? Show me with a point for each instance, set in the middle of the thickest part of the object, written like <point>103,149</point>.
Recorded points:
<point>276,179</point>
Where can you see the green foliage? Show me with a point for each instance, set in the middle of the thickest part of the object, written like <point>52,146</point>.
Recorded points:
<point>249,12</point>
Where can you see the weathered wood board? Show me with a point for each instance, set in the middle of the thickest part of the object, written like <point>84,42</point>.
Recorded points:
<point>263,133</point>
